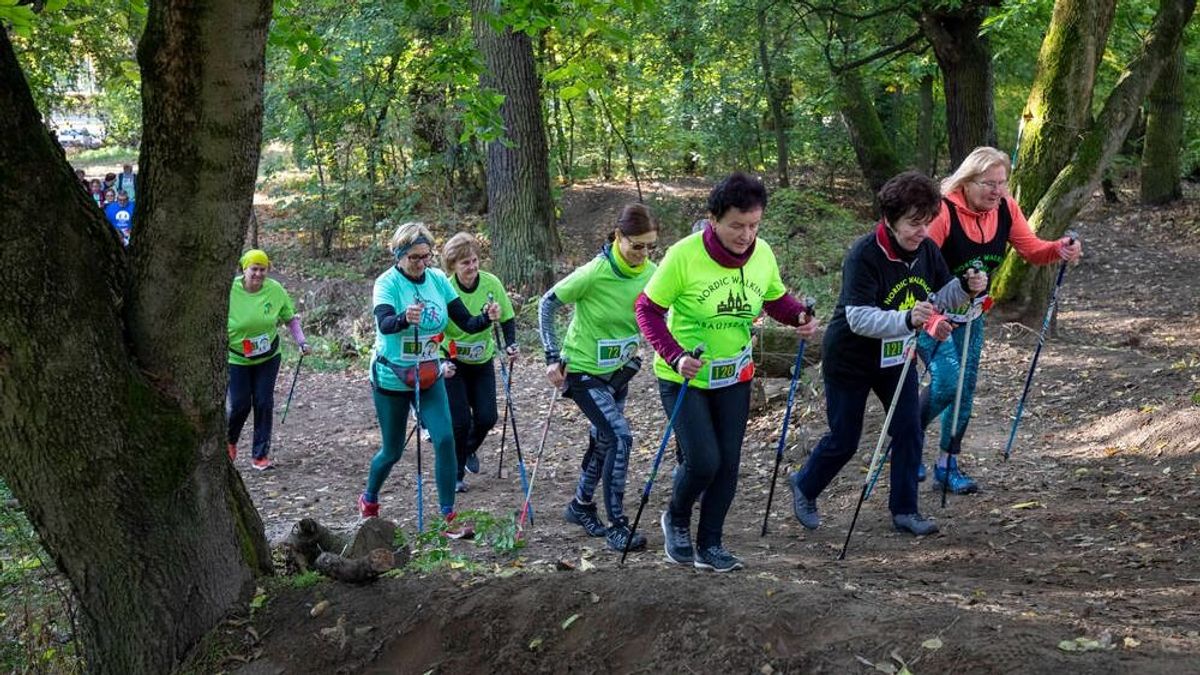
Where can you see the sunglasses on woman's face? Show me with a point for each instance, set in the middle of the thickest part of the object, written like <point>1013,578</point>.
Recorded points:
<point>641,245</point>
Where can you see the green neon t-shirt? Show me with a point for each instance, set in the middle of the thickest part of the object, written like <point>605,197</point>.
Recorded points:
<point>253,323</point>
<point>478,347</point>
<point>713,305</point>
<point>603,334</point>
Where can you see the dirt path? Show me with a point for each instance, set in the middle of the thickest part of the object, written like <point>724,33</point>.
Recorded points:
<point>1090,531</point>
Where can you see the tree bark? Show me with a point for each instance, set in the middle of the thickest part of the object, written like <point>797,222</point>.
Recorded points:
<point>925,126</point>
<point>1164,134</point>
<point>876,157</point>
<point>965,59</point>
<point>1026,287</point>
<point>779,90</point>
<point>520,207</point>
<point>113,361</point>
<point>1059,104</point>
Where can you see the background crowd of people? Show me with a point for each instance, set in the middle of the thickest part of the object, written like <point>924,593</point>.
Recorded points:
<point>115,194</point>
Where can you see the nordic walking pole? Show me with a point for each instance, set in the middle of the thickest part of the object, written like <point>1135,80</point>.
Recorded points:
<point>787,418</point>
<point>509,413</point>
<point>955,439</point>
<point>1062,271</point>
<point>877,457</point>
<point>503,424</point>
<point>292,389</point>
<point>417,409</point>
<point>526,510</point>
<point>695,354</point>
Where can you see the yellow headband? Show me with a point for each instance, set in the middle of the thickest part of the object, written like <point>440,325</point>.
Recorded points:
<point>255,257</point>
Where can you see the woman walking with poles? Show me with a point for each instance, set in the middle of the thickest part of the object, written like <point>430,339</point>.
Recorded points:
<point>887,280</point>
<point>413,303</point>
<point>257,305</point>
<point>596,362</point>
<point>714,283</point>
<point>472,389</point>
<point>978,220</point>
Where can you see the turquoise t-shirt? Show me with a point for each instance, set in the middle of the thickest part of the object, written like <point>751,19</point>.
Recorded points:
<point>395,289</point>
<point>713,305</point>
<point>253,323</point>
<point>478,347</point>
<point>603,334</point>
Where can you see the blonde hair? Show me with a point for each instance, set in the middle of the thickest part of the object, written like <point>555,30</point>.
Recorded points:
<point>978,162</point>
<point>458,247</point>
<point>407,235</point>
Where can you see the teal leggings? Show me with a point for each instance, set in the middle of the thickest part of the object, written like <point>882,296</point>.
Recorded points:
<point>391,407</point>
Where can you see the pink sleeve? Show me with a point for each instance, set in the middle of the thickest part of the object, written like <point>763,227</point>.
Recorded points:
<point>652,321</point>
<point>785,309</point>
<point>1026,243</point>
<point>296,330</point>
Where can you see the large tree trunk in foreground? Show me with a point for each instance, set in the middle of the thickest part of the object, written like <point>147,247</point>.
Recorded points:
<point>876,157</point>
<point>112,428</point>
<point>965,60</point>
<point>520,208</point>
<point>1164,134</point>
<point>1028,288</point>
<point>1060,101</point>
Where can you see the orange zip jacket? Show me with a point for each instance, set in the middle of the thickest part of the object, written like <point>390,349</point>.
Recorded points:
<point>981,228</point>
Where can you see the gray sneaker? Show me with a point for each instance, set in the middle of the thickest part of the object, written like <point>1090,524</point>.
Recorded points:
<point>677,542</point>
<point>717,559</point>
<point>914,523</point>
<point>585,517</point>
<point>804,508</point>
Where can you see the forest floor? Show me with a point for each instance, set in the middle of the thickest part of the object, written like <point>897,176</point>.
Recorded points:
<point>1079,554</point>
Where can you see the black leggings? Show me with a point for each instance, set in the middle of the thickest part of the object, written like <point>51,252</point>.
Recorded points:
<point>709,429</point>
<point>472,396</point>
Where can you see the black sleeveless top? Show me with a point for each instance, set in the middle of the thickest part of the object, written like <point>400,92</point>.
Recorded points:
<point>960,251</point>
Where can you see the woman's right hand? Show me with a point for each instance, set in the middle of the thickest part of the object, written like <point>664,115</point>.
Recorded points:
<point>412,313</point>
<point>688,366</point>
<point>920,313</point>
<point>554,373</point>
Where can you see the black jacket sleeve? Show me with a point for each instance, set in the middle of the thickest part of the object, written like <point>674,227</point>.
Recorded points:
<point>463,319</point>
<point>510,332</point>
<point>388,320</point>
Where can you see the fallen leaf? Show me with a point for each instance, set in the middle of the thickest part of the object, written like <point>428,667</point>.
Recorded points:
<point>1027,505</point>
<point>535,644</point>
<point>586,565</point>
<point>1131,643</point>
<point>570,620</point>
<point>319,608</point>
<point>932,644</point>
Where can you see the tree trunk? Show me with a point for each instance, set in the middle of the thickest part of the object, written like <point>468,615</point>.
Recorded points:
<point>965,59</point>
<point>925,126</point>
<point>779,90</point>
<point>112,396</point>
<point>1059,104</point>
<point>1164,134</point>
<point>520,208</point>
<point>876,157</point>
<point>1026,287</point>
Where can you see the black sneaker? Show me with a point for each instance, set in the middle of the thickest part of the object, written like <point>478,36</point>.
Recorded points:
<point>717,559</point>
<point>677,542</point>
<point>472,463</point>
<point>803,508</point>
<point>914,523</point>
<point>585,517</point>
<point>619,535</point>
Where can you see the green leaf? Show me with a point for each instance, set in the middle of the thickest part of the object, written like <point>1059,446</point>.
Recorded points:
<point>569,92</point>
<point>570,620</point>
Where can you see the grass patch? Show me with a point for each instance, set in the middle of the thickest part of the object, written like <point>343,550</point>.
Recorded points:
<point>113,155</point>
<point>810,237</point>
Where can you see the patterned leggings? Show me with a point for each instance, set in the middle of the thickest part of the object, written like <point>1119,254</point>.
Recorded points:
<point>938,398</point>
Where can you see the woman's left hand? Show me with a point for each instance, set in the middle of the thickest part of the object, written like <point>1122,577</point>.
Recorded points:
<point>448,369</point>
<point>1069,250</point>
<point>492,310</point>
<point>809,328</point>
<point>305,348</point>
<point>513,352</point>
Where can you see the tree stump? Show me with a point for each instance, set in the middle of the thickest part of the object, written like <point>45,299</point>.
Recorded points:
<point>353,555</point>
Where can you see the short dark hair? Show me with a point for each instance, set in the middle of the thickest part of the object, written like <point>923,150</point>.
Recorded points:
<point>635,219</point>
<point>909,191</point>
<point>737,191</point>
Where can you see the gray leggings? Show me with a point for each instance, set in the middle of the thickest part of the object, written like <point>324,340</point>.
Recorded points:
<point>609,442</point>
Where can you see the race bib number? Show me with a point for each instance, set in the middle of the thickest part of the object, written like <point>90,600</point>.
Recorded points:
<point>470,352</point>
<point>724,372</point>
<point>256,346</point>
<point>424,350</point>
<point>892,352</point>
<point>614,352</point>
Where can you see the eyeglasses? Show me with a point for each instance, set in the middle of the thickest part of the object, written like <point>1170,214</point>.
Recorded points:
<point>991,184</point>
<point>422,257</point>
<point>640,245</point>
